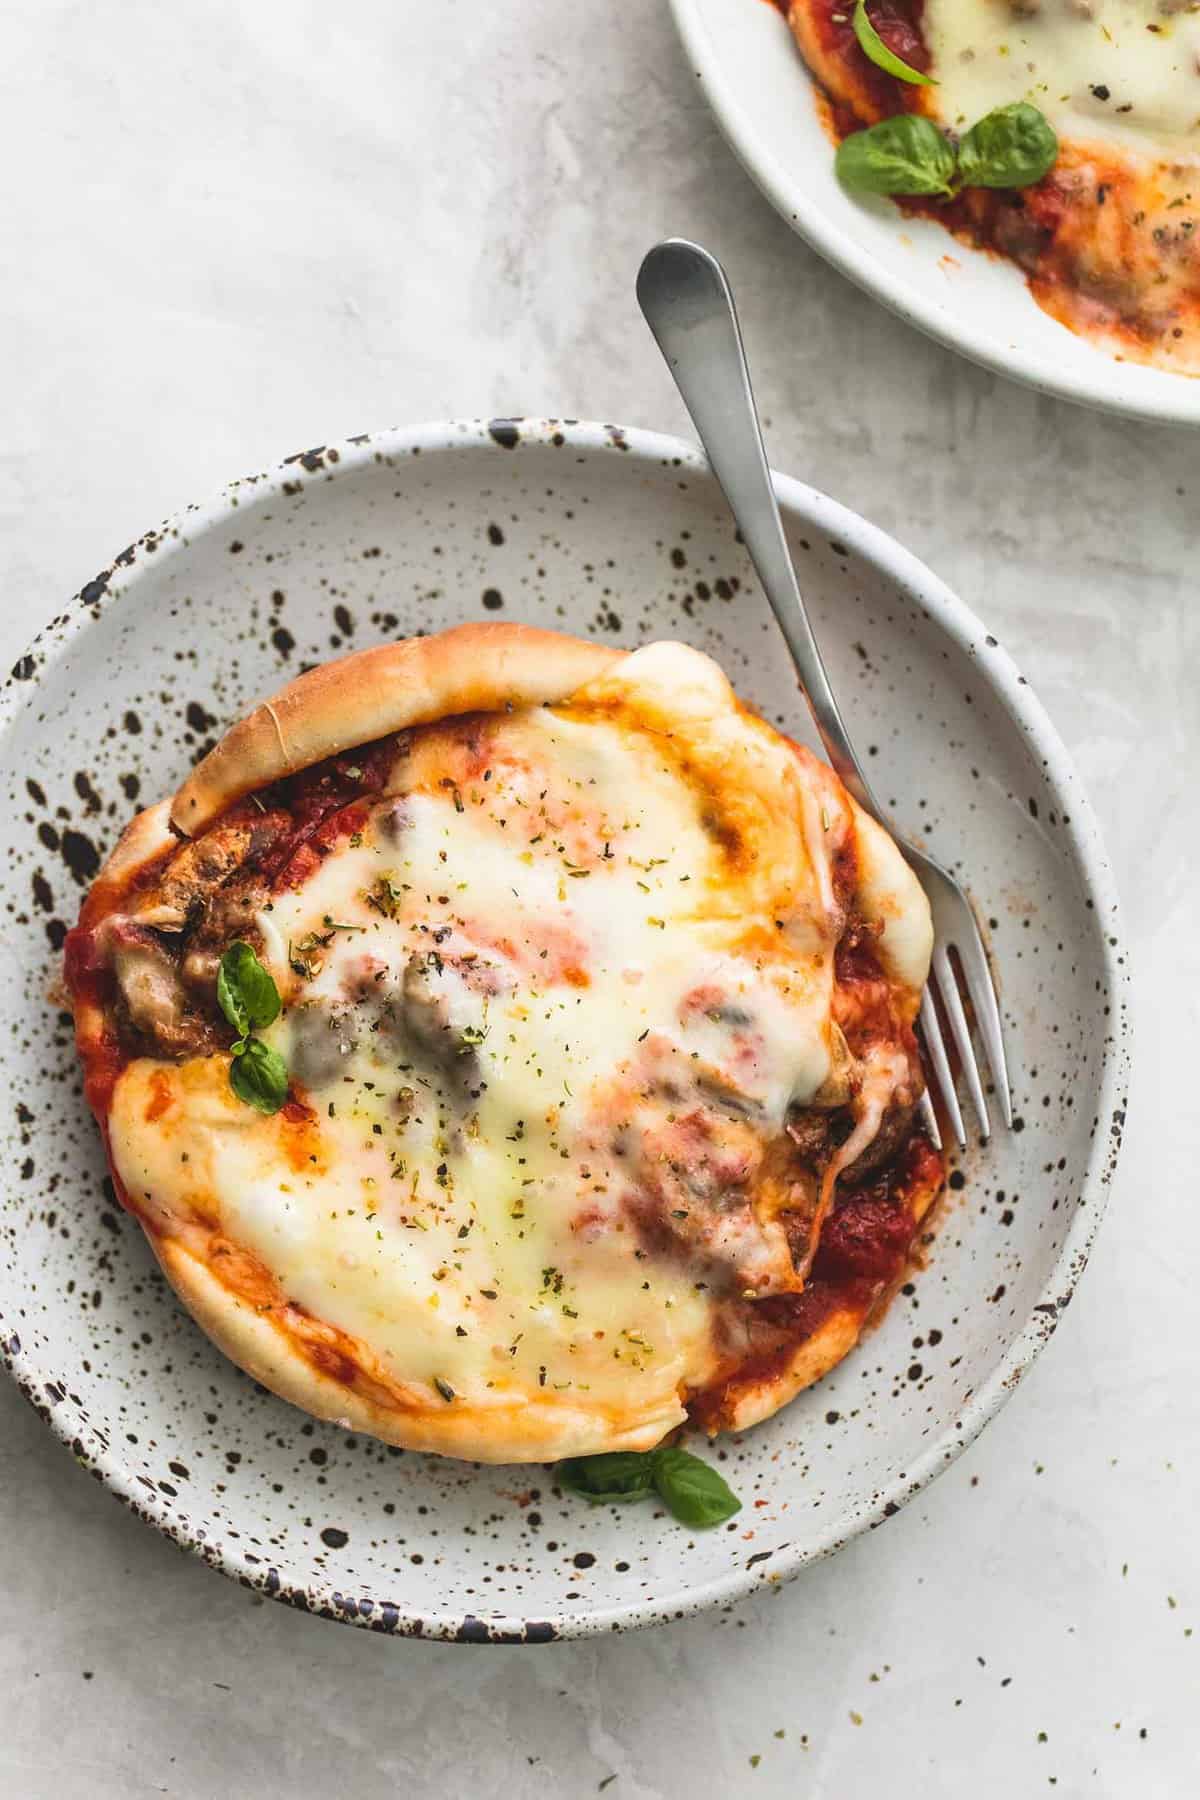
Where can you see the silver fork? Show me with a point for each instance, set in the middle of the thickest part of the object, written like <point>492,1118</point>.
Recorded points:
<point>688,306</point>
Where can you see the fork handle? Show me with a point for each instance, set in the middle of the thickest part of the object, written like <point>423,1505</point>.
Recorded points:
<point>688,305</point>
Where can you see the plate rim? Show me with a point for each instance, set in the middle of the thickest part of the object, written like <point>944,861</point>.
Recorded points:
<point>635,445</point>
<point>1179,403</point>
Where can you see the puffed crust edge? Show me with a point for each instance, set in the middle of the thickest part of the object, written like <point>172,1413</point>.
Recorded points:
<point>486,666</point>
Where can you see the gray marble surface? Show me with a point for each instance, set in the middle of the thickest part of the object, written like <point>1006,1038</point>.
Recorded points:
<point>232,229</point>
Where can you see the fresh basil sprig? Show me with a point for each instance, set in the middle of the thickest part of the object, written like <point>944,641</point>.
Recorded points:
<point>1012,147</point>
<point>874,47</point>
<point>904,155</point>
<point>617,1475</point>
<point>691,1489</point>
<point>247,995</point>
<point>246,992</point>
<point>258,1075</point>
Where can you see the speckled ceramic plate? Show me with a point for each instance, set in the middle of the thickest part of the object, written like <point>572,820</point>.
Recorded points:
<point>753,77</point>
<point>622,535</point>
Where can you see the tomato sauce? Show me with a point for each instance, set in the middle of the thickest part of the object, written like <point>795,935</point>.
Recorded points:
<point>863,1248</point>
<point>326,803</point>
<point>91,987</point>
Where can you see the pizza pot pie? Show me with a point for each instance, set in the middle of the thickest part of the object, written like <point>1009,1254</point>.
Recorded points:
<point>506,1044</point>
<point>1105,231</point>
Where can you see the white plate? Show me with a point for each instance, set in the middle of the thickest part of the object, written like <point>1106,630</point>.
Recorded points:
<point>620,534</point>
<point>761,93</point>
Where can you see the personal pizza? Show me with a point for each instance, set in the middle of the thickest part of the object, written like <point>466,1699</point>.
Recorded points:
<point>506,1044</point>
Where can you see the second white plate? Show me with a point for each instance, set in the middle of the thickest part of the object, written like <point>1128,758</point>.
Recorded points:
<point>743,54</point>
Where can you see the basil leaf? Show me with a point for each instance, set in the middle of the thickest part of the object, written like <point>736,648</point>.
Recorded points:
<point>904,155</point>
<point>874,47</point>
<point>259,1077</point>
<point>1010,148</point>
<point>617,1475</point>
<point>246,992</point>
<point>692,1489</point>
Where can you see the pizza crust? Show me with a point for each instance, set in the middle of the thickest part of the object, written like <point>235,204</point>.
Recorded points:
<point>890,896</point>
<point>833,1340</point>
<point>850,81</point>
<point>482,667</point>
<point>146,836</point>
<point>531,1430</point>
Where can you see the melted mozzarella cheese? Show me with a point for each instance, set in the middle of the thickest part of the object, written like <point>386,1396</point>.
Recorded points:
<point>1127,70</point>
<point>510,1000</point>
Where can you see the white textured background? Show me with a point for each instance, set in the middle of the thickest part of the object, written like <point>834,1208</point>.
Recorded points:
<point>229,229</point>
